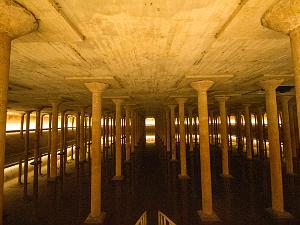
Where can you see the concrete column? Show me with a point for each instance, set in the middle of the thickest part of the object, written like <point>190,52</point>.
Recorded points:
<point>118,168</point>
<point>96,216</point>
<point>207,212</point>
<point>293,129</point>
<point>26,151</point>
<point>22,125</point>
<point>107,131</point>
<point>167,111</point>
<point>77,139</point>
<point>224,135</point>
<point>66,126</point>
<point>247,117</point>
<point>36,153</point>
<point>132,130</point>
<point>54,141</point>
<point>183,169</point>
<point>49,145</point>
<point>287,141</point>
<point>62,144</point>
<point>190,129</point>
<point>81,150</point>
<point>260,132</point>
<point>173,138</point>
<point>274,148</point>
<point>127,131</point>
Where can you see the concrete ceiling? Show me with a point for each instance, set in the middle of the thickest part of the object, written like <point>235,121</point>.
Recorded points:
<point>146,50</point>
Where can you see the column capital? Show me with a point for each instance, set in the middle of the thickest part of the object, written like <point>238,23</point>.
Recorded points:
<point>15,20</point>
<point>55,102</point>
<point>96,87</point>
<point>202,85</point>
<point>172,106</point>
<point>270,84</point>
<point>181,100</point>
<point>285,98</point>
<point>283,16</point>
<point>221,98</point>
<point>118,101</point>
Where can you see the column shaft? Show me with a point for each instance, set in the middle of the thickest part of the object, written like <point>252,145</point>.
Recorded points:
<point>173,140</point>
<point>127,131</point>
<point>248,132</point>
<point>54,140</point>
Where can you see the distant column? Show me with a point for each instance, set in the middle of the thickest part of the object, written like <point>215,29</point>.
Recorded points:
<point>248,131</point>
<point>118,168</point>
<point>183,169</point>
<point>173,139</point>
<point>224,135</point>
<point>127,133</point>
<point>287,142</point>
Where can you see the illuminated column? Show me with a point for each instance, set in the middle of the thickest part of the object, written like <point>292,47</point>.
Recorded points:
<point>284,16</point>
<point>36,153</point>
<point>260,115</point>
<point>207,212</point>
<point>54,141</point>
<point>190,128</point>
<point>118,168</point>
<point>16,21</point>
<point>22,125</point>
<point>224,135</point>
<point>132,128</point>
<point>49,146</point>
<point>127,131</point>
<point>77,139</point>
<point>167,111</point>
<point>183,170</point>
<point>273,133</point>
<point>62,144</point>
<point>42,124</point>
<point>97,215</point>
<point>293,129</point>
<point>26,150</point>
<point>287,142</point>
<point>107,132</point>
<point>247,117</point>
<point>173,140</point>
<point>82,150</point>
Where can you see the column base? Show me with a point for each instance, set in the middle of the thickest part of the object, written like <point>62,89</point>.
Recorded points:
<point>173,160</point>
<point>128,161</point>
<point>95,220</point>
<point>208,218</point>
<point>51,179</point>
<point>226,176</point>
<point>183,177</point>
<point>279,215</point>
<point>118,178</point>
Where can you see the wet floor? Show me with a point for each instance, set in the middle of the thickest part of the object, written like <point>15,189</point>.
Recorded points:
<point>151,184</point>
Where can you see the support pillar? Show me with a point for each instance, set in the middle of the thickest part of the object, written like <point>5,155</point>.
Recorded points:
<point>274,147</point>
<point>287,142</point>
<point>118,169</point>
<point>261,149</point>
<point>22,125</point>
<point>132,128</point>
<point>183,169</point>
<point>26,150</point>
<point>167,111</point>
<point>36,154</point>
<point>49,146</point>
<point>207,213</point>
<point>248,131</point>
<point>173,138</point>
<point>293,129</point>
<point>96,216</point>
<point>190,129</point>
<point>81,149</point>
<point>54,141</point>
<point>224,136</point>
<point>127,133</point>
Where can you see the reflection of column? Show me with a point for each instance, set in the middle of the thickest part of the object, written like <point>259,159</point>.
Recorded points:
<point>183,170</point>
<point>247,117</point>
<point>54,137</point>
<point>224,135</point>
<point>97,215</point>
<point>118,168</point>
<point>287,142</point>
<point>207,212</point>
<point>274,148</point>
<point>173,140</point>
